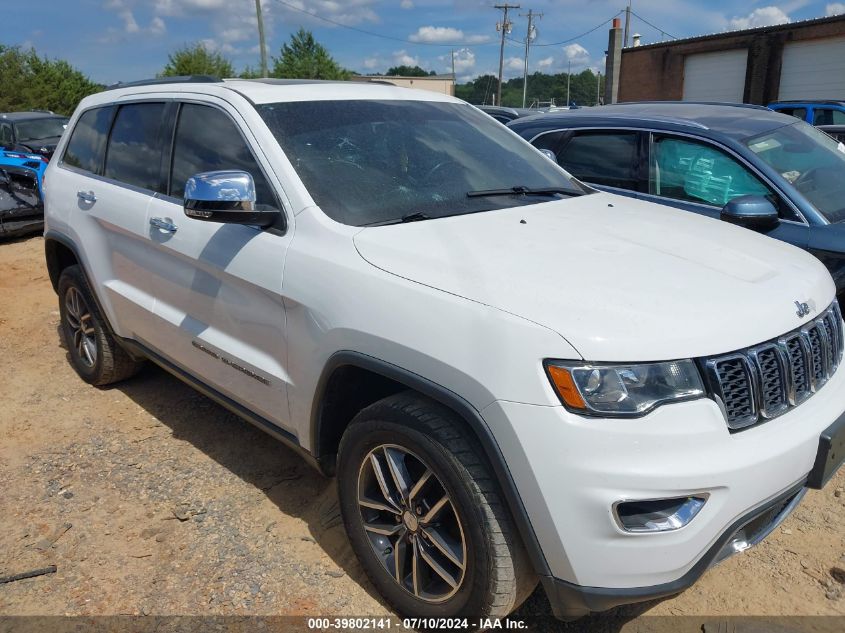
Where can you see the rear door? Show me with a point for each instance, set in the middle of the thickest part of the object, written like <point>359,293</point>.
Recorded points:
<point>105,180</point>
<point>607,159</point>
<point>219,313</point>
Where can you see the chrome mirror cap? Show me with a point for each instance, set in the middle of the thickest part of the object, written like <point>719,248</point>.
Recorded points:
<point>225,196</point>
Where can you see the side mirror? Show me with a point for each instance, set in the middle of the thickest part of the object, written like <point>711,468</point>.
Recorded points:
<point>549,154</point>
<point>752,212</point>
<point>225,196</point>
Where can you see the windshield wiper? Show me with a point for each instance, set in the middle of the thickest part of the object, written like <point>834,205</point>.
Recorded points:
<point>519,190</point>
<point>416,216</point>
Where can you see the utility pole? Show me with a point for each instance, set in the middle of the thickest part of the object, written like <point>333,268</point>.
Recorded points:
<point>568,76</point>
<point>598,88</point>
<point>261,41</point>
<point>627,23</point>
<point>530,35</point>
<point>505,27</point>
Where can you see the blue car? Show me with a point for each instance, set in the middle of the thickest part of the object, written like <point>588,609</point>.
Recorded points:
<point>27,141</point>
<point>828,116</point>
<point>744,164</point>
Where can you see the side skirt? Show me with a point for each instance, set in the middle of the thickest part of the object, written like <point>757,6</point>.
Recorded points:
<point>289,439</point>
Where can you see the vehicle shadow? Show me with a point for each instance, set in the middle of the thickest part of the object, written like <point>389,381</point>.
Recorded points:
<point>296,488</point>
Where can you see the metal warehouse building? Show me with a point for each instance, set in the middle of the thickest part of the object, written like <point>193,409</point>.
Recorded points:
<point>801,60</point>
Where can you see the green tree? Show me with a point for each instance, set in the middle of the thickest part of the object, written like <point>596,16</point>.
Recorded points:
<point>409,71</point>
<point>305,58</point>
<point>196,59</point>
<point>32,82</point>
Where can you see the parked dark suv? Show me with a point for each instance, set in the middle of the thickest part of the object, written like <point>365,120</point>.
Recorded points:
<point>744,164</point>
<point>35,131</point>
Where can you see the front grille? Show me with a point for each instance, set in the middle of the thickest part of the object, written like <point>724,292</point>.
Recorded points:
<point>764,381</point>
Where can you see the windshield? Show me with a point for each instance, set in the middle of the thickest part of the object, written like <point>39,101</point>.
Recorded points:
<point>371,162</point>
<point>809,159</point>
<point>37,129</point>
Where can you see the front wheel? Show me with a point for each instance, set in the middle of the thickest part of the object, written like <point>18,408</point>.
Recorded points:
<point>424,515</point>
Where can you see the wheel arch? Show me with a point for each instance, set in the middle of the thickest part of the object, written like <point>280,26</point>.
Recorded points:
<point>351,381</point>
<point>60,253</point>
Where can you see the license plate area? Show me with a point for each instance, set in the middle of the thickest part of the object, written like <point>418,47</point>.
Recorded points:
<point>831,454</point>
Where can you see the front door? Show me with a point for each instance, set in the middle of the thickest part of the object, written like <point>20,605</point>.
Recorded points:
<point>218,305</point>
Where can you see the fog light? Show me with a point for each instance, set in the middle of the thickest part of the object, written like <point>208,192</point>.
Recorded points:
<point>657,515</point>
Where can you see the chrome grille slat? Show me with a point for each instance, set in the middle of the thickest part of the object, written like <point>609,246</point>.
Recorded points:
<point>765,381</point>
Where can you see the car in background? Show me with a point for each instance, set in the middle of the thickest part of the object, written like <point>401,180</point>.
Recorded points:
<point>35,132</point>
<point>828,116</point>
<point>21,205</point>
<point>744,164</point>
<point>506,115</point>
<point>27,141</point>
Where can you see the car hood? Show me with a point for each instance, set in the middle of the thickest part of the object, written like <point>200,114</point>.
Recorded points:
<point>620,279</point>
<point>44,146</point>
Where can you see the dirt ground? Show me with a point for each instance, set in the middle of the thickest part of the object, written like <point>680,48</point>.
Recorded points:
<point>152,500</point>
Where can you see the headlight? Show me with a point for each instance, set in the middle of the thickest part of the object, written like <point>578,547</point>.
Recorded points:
<point>623,390</point>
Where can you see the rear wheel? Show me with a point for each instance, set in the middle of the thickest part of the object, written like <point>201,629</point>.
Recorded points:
<point>93,351</point>
<point>424,515</point>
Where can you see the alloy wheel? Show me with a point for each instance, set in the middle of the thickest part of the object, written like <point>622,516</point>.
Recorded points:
<point>80,322</point>
<point>411,523</point>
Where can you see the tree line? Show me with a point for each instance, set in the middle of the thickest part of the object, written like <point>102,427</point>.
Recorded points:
<point>29,81</point>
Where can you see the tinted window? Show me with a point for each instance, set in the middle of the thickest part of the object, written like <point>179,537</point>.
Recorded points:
<point>373,162</point>
<point>549,141</point>
<point>828,116</point>
<point>207,140</point>
<point>88,140</point>
<point>800,113</point>
<point>602,158</point>
<point>5,134</point>
<point>135,149</point>
<point>695,172</point>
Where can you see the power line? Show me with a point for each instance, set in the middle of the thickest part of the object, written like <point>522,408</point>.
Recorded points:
<point>578,37</point>
<point>382,35</point>
<point>656,28</point>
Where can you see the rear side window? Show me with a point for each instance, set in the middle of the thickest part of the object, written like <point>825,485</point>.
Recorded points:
<point>603,158</point>
<point>800,113</point>
<point>208,140</point>
<point>828,116</point>
<point>87,143</point>
<point>135,148</point>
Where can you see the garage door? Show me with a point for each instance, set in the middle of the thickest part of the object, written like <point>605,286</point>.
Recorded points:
<point>718,76</point>
<point>813,70</point>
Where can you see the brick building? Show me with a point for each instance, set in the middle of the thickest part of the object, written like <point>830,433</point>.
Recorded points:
<point>801,60</point>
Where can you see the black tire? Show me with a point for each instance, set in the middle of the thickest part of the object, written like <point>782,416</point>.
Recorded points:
<point>497,575</point>
<point>93,351</point>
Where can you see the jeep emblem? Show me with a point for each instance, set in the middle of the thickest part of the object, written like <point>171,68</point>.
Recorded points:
<point>803,309</point>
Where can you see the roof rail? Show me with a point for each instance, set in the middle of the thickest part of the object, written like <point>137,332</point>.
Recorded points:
<point>751,106</point>
<point>182,79</point>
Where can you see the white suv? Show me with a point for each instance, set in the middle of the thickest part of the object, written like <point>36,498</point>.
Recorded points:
<point>513,376</point>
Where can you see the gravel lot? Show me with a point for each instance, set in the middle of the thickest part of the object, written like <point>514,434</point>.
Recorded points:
<point>152,500</point>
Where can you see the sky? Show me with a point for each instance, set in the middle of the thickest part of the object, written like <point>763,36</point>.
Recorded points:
<point>124,40</point>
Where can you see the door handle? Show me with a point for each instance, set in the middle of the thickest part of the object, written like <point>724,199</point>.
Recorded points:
<point>164,224</point>
<point>86,196</point>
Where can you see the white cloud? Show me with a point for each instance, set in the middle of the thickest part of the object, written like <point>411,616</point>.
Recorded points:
<point>402,58</point>
<point>406,4</point>
<point>836,8</point>
<point>576,54</point>
<point>371,63</point>
<point>464,61</point>
<point>157,26</point>
<point>764,16</point>
<point>546,62</point>
<point>445,35</point>
<point>514,63</point>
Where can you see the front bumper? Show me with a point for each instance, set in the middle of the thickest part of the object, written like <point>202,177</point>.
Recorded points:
<point>21,207</point>
<point>570,601</point>
<point>570,471</point>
